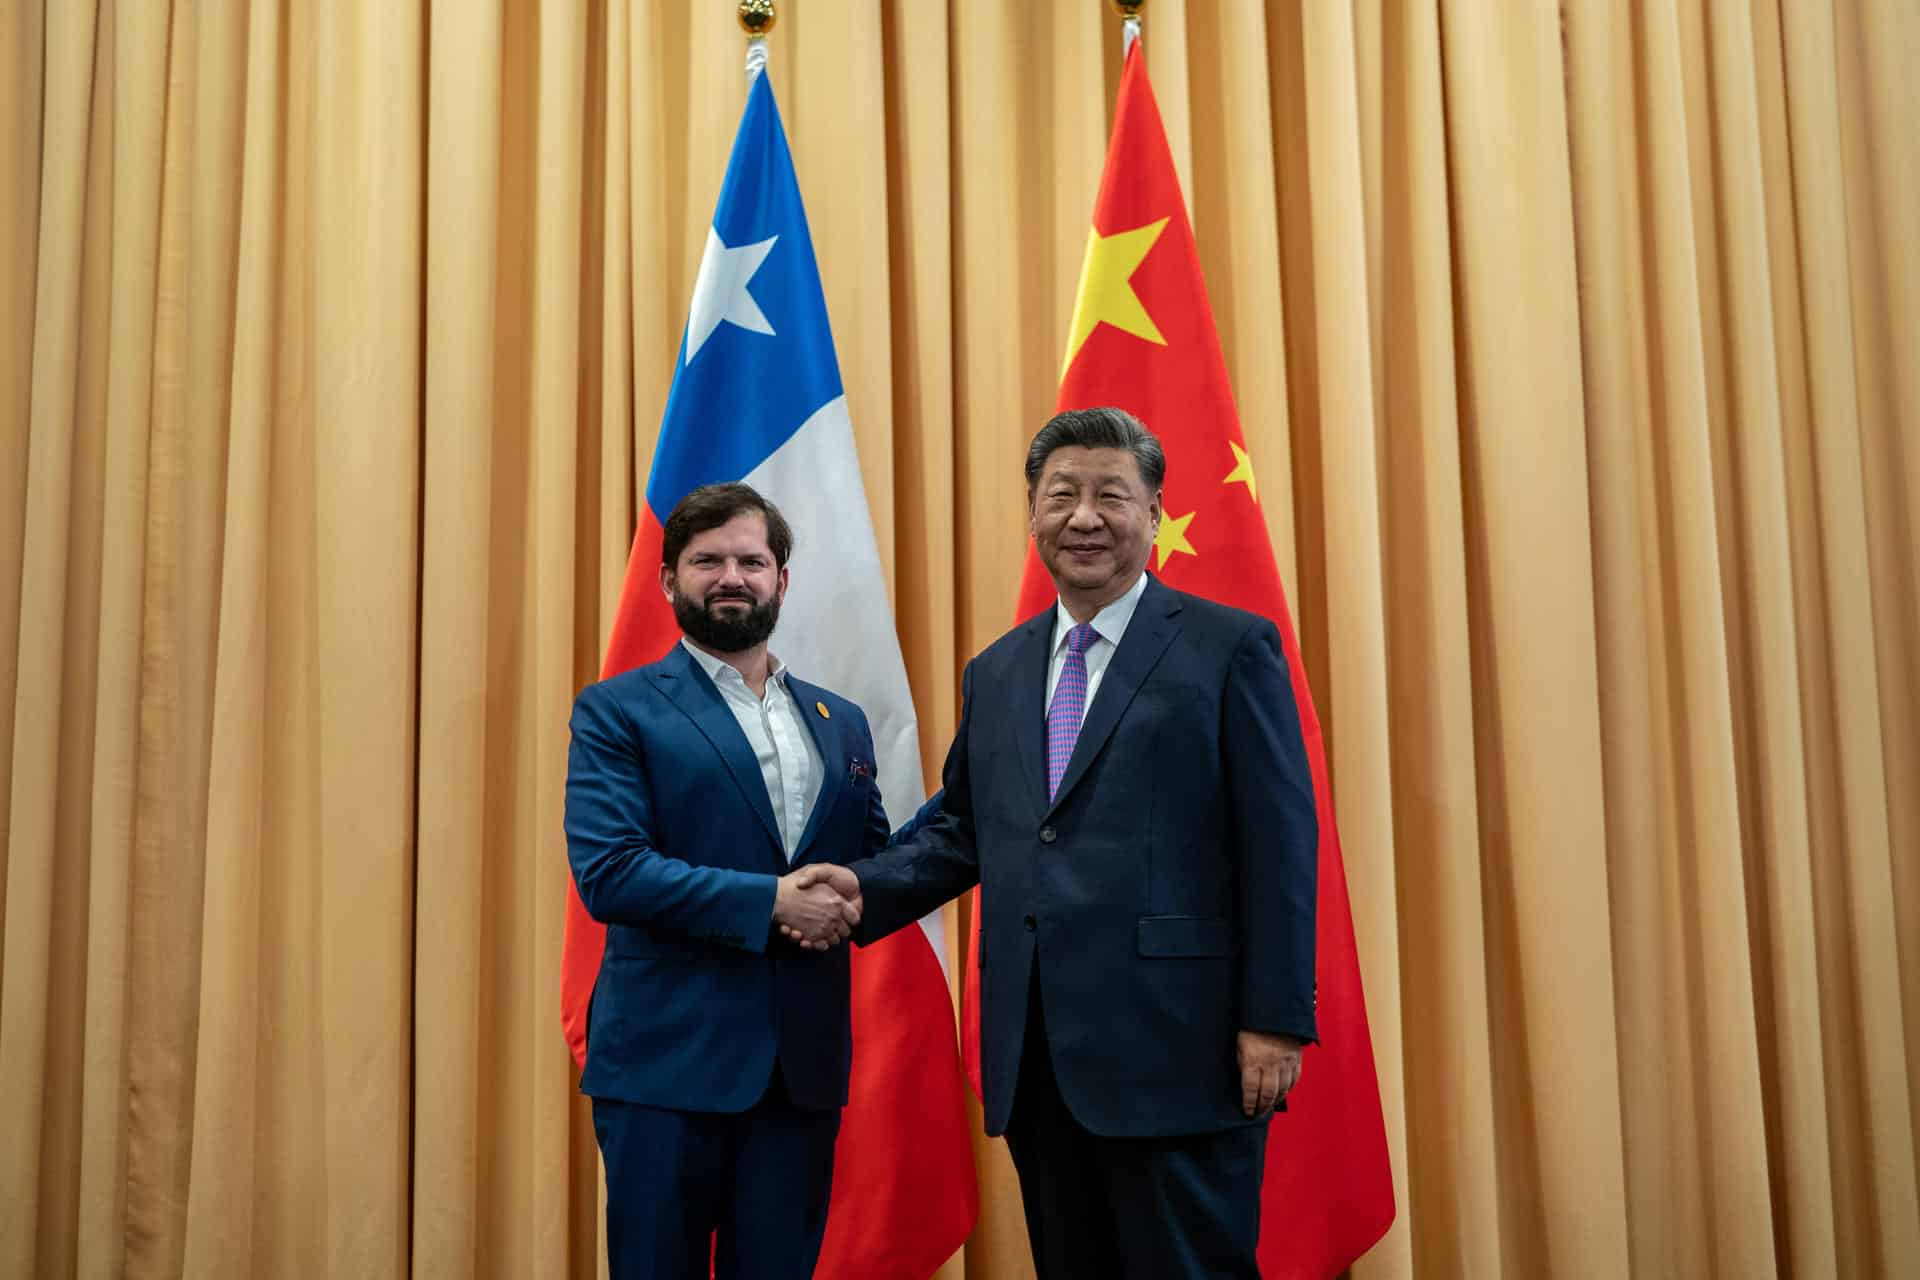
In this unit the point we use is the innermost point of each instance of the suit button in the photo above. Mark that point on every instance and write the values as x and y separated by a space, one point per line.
1031 924
1048 835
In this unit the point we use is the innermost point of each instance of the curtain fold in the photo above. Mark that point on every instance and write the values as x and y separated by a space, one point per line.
1574 345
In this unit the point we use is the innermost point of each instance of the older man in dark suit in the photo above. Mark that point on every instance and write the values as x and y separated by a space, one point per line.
1130 788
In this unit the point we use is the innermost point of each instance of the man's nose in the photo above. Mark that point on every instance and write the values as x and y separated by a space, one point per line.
731 574
1086 515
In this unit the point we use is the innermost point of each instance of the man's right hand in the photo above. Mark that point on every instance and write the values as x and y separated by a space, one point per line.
811 911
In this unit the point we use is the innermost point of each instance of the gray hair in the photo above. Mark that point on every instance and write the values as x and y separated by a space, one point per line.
1104 428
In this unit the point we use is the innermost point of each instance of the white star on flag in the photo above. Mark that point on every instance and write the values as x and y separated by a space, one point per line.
720 291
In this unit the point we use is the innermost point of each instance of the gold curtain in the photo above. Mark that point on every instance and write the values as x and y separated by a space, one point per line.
1578 348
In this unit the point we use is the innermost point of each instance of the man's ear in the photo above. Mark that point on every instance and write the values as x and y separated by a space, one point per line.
666 581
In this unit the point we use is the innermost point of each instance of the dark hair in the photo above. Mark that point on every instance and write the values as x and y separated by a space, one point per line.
712 505
1105 428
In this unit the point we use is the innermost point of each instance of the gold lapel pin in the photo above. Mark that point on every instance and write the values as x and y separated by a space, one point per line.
821 707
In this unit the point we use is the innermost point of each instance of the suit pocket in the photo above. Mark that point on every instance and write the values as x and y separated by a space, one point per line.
1174 936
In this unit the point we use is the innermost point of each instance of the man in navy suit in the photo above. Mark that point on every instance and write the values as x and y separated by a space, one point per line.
697 789
1129 787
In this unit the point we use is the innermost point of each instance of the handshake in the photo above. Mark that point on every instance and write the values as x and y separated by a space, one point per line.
817 906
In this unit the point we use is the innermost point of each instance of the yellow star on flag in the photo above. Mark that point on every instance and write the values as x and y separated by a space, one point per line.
1171 538
1106 289
1242 471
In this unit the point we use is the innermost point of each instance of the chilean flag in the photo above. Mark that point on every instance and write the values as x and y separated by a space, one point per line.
757 397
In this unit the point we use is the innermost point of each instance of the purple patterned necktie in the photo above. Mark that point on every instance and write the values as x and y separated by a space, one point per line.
1069 701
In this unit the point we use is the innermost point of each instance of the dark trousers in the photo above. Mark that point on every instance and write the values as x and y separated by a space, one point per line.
748 1191
1140 1208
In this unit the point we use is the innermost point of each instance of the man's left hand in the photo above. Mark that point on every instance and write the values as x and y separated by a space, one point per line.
1269 1068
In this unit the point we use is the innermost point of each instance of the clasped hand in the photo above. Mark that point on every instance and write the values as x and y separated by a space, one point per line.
817 906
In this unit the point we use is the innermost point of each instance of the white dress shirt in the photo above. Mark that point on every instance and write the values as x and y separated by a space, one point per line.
1108 625
790 763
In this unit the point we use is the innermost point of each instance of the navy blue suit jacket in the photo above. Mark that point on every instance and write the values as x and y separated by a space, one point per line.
674 848
1167 890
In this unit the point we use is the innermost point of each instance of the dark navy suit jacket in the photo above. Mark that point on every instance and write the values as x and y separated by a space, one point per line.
674 848
1168 889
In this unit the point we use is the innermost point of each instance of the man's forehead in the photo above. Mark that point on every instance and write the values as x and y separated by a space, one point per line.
1092 464
749 527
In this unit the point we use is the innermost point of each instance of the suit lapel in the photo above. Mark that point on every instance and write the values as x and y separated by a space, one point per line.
807 701
682 680
1028 689
1148 634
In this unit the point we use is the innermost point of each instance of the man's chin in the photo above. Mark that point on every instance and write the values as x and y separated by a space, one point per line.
714 627
1083 577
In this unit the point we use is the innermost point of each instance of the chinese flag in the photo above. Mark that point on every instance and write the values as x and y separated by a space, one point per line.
1143 340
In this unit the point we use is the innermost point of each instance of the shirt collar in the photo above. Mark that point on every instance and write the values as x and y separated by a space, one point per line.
718 669
1109 624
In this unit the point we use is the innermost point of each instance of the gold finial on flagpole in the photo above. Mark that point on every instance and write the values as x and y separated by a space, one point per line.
1129 12
757 16
756 19
1128 8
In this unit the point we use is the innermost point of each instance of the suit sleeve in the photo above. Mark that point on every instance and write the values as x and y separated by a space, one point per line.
874 834
926 814
932 859
1276 837
622 878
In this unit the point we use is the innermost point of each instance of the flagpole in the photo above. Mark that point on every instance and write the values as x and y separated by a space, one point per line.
1129 11
756 19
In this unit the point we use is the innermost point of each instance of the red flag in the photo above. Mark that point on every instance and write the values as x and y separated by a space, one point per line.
1142 339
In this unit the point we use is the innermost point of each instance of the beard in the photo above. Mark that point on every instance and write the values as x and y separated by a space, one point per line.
732 632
